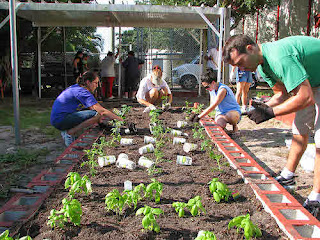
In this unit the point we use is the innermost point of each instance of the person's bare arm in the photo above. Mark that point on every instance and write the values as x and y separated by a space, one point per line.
144 102
221 95
280 95
75 63
302 98
104 112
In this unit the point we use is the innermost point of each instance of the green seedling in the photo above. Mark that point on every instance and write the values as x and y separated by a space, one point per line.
5 236
77 184
187 109
154 170
149 220
195 206
92 163
154 190
125 109
179 207
206 235
116 201
219 190
71 210
250 230
198 109
217 157
205 145
135 195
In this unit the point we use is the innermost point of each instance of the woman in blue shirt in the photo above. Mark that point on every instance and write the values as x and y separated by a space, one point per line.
222 100
76 108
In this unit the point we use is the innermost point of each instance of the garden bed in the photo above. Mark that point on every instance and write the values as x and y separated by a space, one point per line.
180 183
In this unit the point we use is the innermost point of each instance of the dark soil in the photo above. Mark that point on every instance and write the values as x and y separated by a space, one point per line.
180 183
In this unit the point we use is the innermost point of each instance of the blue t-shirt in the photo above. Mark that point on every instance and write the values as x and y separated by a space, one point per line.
72 99
229 103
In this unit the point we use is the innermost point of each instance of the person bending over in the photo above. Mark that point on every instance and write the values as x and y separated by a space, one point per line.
153 89
76 108
291 68
222 100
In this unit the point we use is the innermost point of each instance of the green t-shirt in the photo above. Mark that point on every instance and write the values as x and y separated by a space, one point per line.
291 61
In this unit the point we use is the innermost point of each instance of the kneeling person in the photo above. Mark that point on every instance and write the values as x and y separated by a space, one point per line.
76 108
152 89
222 100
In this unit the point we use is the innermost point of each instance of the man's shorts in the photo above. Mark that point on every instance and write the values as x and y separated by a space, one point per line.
244 76
307 119
74 119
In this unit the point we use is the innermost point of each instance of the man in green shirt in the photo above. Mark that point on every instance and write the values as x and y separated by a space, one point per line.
291 67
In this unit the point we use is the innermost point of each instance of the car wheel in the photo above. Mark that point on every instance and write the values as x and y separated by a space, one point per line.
188 82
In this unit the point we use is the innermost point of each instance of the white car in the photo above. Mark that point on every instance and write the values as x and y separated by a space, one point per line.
187 75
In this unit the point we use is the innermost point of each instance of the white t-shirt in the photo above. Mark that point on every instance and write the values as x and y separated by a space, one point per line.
214 54
146 85
107 67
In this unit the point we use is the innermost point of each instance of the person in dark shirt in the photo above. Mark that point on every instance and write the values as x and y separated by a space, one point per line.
77 66
132 75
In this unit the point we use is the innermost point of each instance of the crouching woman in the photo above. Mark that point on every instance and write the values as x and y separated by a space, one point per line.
222 100
76 108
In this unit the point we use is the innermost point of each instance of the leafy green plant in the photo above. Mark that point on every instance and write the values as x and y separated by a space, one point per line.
154 190
92 163
125 109
187 109
250 230
71 210
149 220
116 201
154 170
198 109
205 235
77 184
219 190
195 206
179 208
217 157
5 236
205 145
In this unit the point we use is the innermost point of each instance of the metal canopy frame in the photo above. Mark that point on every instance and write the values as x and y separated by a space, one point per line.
106 15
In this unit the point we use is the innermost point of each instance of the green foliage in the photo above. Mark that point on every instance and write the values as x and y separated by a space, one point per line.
116 201
263 93
70 211
243 222
198 109
195 206
22 159
5 236
205 145
206 235
154 170
217 157
135 195
149 220
198 132
92 163
179 207
125 109
154 190
219 190
77 184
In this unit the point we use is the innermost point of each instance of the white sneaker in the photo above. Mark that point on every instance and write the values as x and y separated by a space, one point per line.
243 109
68 139
112 97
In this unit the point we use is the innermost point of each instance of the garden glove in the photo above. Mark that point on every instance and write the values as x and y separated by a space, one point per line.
194 118
132 127
261 112
149 108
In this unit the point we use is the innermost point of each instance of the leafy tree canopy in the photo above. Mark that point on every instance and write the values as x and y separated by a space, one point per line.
239 8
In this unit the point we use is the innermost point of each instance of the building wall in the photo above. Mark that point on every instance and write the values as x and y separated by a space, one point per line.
293 21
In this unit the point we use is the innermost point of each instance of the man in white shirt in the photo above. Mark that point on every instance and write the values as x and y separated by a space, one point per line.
152 89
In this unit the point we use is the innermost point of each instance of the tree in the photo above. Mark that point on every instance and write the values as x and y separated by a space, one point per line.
239 8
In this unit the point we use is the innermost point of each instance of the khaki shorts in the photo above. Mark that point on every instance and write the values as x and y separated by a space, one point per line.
307 119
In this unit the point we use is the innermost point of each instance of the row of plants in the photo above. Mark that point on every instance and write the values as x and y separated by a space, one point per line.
117 202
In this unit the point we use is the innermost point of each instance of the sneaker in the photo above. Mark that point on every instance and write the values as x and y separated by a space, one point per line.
112 97
68 139
313 207
289 184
